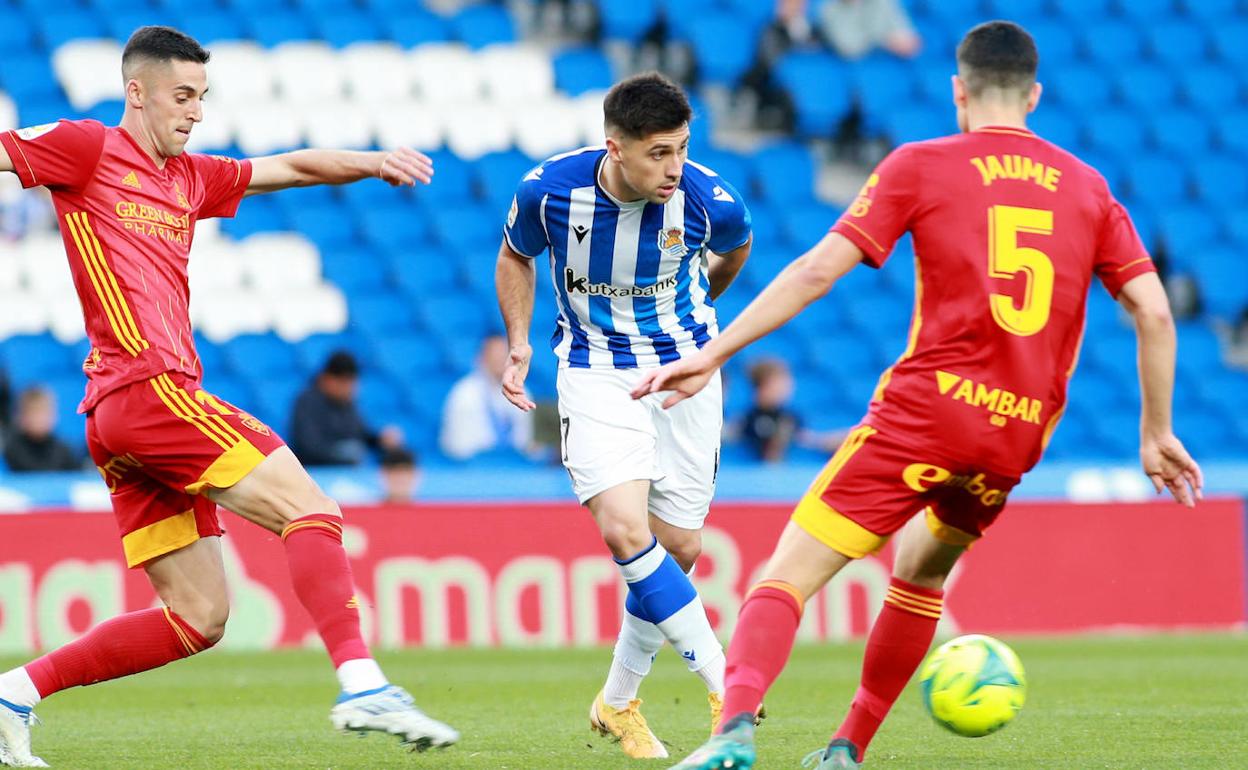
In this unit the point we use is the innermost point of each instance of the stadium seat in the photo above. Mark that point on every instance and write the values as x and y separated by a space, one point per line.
414 27
498 175
514 75
312 353
336 123
467 228
406 124
579 70
454 177
627 20
1147 87
314 309
1115 132
1156 180
362 62
224 314
1232 132
354 270
307 72
87 71
453 319
880 84
482 25
1177 43
545 127
1182 133
1221 180
57 27
1209 12
275 27
1053 39
917 123
1081 88
1210 88
1230 42
14 32
805 224
1236 223
27 78
268 130
210 25
343 27
1083 10
816 82
428 272
394 226
445 73
259 357
383 313
1054 124
33 358
1188 231
409 357
1223 290
723 46
783 173
1108 42
241 73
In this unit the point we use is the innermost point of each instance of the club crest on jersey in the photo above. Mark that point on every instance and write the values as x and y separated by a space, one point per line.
672 242
254 424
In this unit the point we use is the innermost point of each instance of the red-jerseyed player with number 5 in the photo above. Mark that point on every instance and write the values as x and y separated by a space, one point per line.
1009 231
127 199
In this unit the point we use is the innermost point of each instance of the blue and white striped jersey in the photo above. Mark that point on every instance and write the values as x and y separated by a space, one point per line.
630 278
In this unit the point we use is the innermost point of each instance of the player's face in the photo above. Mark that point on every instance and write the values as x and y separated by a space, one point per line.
171 96
652 166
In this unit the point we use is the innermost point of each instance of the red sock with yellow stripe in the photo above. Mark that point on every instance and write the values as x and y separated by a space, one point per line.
760 645
321 577
898 643
124 645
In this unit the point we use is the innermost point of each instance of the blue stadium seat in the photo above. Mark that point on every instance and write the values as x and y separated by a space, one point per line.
1230 42
784 173
1115 132
231 389
783 344
468 227
258 5
411 27
498 175
1103 313
1182 133
1232 132
108 112
730 166
1080 87
754 13
1236 223
627 20
1147 87
382 313
880 84
1156 180
274 400
1054 124
817 84
274 27
354 270
329 225
1111 42
1112 352
27 78
341 28
1147 11
1081 11
209 25
1053 39
1108 167
453 319
1188 231
427 272
805 224
1177 43
1210 12
261 214
55 28
121 24
380 397
211 360
1199 350
481 25
1204 434
408 357
1223 389
454 183
318 7
917 123
1221 180
723 46
1022 11
1209 87
765 220
957 13
259 356
33 358
1223 290
932 81
14 33
578 70
312 352
394 227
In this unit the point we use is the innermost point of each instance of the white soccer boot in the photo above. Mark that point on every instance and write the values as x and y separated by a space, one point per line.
390 709
15 722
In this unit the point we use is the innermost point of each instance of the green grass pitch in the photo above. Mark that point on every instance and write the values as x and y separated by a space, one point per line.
1103 702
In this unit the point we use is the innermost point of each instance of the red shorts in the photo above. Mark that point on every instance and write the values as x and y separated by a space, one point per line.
875 483
158 444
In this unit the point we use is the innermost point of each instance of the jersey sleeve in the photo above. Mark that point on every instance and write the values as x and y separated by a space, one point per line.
524 231
730 218
883 210
1120 255
224 181
61 155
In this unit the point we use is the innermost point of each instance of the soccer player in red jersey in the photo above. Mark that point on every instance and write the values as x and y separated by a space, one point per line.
1009 231
127 199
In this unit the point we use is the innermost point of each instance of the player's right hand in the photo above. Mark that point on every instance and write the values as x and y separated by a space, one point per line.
684 378
513 377
1169 466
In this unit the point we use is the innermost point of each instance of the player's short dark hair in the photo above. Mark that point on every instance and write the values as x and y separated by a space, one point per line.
645 104
998 55
161 44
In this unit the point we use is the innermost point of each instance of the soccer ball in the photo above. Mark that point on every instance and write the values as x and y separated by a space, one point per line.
973 685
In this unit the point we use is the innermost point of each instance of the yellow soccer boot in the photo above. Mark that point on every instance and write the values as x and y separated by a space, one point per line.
627 726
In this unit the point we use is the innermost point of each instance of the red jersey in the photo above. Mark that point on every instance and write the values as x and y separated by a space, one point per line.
1008 231
127 227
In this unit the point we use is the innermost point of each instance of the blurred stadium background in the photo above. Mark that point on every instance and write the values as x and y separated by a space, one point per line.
1153 93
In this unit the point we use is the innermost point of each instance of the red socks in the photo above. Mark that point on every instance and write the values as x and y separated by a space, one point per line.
124 645
761 644
321 577
898 643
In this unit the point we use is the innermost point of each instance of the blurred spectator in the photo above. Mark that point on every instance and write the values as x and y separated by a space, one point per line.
1237 354
477 417
1181 288
854 28
326 427
24 211
771 426
32 446
400 476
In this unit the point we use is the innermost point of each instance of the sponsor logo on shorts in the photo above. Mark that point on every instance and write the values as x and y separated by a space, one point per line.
254 424
579 284
1003 405
116 468
922 477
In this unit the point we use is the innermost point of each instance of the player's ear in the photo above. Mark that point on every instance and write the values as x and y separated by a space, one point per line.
959 91
134 93
613 149
1033 98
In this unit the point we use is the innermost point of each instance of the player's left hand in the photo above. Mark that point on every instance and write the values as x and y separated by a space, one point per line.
684 378
406 166
1169 466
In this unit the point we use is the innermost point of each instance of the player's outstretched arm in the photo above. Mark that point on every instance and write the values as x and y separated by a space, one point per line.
725 267
803 281
303 168
515 281
1163 456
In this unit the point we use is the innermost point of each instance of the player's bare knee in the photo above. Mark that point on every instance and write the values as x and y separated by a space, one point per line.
685 550
206 616
623 536
920 573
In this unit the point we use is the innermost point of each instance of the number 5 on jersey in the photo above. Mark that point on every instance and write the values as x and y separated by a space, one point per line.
1006 259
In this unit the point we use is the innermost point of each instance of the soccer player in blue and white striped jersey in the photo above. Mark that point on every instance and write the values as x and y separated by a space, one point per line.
640 241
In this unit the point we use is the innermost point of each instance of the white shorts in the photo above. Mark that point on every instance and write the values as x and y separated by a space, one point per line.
608 439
